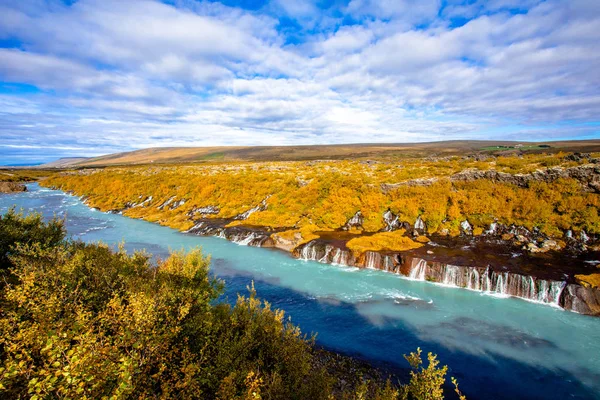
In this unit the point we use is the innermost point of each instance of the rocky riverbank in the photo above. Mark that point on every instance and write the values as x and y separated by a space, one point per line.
12 187
534 234
481 264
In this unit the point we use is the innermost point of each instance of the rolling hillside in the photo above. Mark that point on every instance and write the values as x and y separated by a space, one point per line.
168 155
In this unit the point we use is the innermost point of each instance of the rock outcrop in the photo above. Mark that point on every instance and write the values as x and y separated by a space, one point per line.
238 234
11 187
356 222
206 210
261 207
581 299
570 296
391 220
166 203
587 175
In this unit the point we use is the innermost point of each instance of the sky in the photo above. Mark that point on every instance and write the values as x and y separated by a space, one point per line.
91 77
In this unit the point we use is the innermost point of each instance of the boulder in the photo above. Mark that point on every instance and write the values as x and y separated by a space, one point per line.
466 227
11 187
391 221
584 300
420 225
355 222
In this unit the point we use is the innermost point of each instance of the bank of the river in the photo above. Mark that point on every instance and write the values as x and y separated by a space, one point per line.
497 348
499 261
11 187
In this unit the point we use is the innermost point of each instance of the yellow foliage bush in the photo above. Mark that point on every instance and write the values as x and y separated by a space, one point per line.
325 195
385 241
591 280
422 239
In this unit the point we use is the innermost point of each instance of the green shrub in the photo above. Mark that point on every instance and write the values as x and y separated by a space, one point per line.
83 321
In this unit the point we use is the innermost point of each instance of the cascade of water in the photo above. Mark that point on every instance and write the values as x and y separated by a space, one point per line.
473 279
388 263
451 275
340 257
372 260
418 271
245 241
488 281
325 257
498 288
309 252
533 292
556 289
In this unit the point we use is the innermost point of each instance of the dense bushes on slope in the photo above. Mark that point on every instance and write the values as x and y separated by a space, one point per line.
325 195
82 321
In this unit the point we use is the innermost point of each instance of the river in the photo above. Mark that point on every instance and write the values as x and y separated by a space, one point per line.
498 348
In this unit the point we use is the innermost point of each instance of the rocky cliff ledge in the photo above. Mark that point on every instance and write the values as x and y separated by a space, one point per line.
553 288
587 175
11 187
479 266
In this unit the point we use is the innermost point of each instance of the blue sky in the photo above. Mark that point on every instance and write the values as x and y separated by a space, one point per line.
90 77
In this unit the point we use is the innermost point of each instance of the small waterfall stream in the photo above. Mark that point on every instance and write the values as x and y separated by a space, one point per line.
486 280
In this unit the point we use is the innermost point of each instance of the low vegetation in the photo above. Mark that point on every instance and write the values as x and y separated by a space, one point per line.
321 196
385 241
83 321
23 175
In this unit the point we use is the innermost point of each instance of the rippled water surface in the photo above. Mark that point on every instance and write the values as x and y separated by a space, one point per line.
501 348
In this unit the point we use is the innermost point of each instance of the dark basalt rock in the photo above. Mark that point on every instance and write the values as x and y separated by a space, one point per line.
245 235
206 210
355 222
553 291
261 207
393 223
581 299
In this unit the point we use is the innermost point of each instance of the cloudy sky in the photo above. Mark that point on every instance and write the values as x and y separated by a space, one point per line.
91 77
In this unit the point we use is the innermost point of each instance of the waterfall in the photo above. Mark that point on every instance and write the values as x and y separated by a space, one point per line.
309 252
325 253
417 272
340 257
451 276
474 279
325 257
500 285
388 264
488 281
485 280
244 240
372 260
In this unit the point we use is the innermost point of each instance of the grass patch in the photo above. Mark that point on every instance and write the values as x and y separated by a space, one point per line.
385 241
592 280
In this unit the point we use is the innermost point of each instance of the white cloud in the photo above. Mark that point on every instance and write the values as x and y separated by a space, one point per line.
204 73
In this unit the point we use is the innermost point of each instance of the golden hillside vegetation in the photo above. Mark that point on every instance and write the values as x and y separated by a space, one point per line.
317 196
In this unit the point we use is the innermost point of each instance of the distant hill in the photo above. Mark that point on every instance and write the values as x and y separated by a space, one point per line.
173 155
64 162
